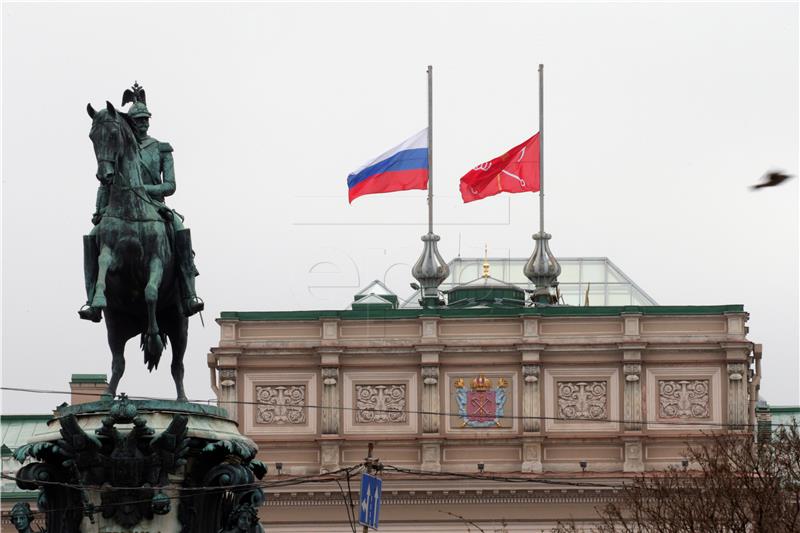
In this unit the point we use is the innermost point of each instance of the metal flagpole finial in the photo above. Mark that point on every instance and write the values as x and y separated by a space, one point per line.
430 269
542 268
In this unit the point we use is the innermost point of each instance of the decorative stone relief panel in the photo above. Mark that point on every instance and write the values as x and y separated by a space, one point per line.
381 404
583 400
276 403
683 398
676 394
280 404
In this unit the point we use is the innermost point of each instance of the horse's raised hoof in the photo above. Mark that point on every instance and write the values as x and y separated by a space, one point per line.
90 313
194 305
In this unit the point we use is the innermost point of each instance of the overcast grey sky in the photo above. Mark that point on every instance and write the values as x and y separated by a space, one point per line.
658 118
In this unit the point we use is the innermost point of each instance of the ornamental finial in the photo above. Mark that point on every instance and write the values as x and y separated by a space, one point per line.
543 270
134 94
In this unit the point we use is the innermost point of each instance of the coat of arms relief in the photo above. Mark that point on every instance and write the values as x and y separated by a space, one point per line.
482 406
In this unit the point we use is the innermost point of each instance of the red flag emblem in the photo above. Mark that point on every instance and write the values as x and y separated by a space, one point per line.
515 171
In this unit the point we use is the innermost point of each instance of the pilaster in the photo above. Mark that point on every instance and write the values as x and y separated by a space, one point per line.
531 408
330 400
228 392
632 396
737 394
430 399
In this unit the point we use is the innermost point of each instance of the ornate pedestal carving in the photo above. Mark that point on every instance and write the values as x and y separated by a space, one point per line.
531 455
146 456
633 456
431 456
330 401
329 455
530 400
430 399
633 396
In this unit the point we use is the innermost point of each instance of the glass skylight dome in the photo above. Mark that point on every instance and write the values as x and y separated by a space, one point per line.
607 284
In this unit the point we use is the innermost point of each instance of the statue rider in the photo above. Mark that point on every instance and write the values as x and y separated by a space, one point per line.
158 176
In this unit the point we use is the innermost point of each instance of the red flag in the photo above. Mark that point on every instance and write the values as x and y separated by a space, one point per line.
515 171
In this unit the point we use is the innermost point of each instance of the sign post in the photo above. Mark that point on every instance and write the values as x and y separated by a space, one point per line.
370 501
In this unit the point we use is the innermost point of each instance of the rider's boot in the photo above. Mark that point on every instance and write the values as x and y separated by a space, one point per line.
183 245
90 253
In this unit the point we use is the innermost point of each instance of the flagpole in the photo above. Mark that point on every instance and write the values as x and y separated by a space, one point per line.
430 269
541 148
430 148
542 268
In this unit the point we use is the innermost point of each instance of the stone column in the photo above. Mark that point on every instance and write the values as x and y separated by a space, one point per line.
737 394
330 400
633 396
228 392
531 455
531 408
430 399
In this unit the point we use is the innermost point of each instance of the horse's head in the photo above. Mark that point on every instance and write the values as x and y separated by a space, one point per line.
111 135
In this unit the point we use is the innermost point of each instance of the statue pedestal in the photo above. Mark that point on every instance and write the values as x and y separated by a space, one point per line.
144 466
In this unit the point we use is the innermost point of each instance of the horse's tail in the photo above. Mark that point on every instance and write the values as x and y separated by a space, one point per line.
152 354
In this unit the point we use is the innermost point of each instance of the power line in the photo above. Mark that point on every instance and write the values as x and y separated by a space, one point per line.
419 412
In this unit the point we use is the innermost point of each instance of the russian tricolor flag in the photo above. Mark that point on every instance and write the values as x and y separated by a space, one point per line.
402 168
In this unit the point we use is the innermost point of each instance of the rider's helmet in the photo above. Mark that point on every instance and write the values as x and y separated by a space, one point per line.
139 109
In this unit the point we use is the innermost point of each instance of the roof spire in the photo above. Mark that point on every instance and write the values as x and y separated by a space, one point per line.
485 260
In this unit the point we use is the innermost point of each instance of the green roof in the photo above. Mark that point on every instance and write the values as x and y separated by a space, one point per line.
18 429
791 409
555 311
89 378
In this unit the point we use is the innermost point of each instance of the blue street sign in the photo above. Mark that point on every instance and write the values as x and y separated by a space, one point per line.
370 498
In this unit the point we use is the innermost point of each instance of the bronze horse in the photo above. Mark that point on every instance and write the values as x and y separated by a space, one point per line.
137 285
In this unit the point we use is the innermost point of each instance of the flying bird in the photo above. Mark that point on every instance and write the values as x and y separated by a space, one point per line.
772 179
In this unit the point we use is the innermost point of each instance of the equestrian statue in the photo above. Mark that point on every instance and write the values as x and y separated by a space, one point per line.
138 259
